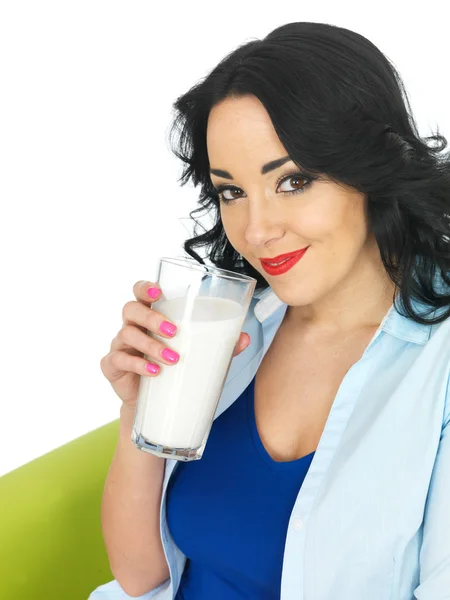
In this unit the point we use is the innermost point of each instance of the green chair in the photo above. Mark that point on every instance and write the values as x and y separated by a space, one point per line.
51 543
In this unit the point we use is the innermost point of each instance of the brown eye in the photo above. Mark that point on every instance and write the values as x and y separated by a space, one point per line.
233 192
295 181
221 190
298 182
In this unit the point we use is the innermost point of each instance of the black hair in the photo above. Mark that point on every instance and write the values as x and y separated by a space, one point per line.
350 107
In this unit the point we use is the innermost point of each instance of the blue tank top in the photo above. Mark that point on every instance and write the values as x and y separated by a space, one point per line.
229 512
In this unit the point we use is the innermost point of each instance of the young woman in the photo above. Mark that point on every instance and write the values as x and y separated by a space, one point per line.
326 475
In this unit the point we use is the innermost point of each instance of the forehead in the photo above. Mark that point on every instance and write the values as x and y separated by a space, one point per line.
241 126
238 113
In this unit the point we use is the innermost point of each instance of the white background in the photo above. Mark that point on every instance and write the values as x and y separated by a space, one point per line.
88 185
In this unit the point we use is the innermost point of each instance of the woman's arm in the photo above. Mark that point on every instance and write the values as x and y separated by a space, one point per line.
130 515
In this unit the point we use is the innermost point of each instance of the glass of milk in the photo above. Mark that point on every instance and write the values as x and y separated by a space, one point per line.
175 409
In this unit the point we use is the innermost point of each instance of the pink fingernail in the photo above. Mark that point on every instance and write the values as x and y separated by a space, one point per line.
167 328
153 292
170 355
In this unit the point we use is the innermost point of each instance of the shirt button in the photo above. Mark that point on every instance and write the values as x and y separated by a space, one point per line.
298 524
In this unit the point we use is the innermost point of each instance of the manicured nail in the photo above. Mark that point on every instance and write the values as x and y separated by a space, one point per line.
167 328
153 292
170 355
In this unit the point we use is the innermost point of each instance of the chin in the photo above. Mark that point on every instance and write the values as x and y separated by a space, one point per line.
295 297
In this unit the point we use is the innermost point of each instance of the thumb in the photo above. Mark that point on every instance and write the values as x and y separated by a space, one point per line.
243 343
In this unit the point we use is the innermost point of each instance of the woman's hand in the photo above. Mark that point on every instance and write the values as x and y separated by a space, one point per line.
125 362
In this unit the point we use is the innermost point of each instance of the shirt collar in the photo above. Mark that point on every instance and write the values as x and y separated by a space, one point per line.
393 323
268 303
405 328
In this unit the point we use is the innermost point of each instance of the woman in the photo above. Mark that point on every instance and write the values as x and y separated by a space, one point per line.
326 475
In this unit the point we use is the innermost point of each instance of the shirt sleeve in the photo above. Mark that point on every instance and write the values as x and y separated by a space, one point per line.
435 551
113 591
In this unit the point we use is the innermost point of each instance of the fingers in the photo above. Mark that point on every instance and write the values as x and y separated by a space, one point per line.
117 364
138 316
141 291
243 343
137 313
132 337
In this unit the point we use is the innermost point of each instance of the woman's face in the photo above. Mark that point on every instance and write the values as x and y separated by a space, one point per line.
263 220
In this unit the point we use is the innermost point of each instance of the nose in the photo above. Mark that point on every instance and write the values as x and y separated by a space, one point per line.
262 231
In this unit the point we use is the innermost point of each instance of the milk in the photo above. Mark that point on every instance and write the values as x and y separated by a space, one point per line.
176 408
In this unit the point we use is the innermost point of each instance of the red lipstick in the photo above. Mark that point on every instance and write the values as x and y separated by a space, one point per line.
290 259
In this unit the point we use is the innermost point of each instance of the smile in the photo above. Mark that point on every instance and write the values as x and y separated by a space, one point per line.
283 265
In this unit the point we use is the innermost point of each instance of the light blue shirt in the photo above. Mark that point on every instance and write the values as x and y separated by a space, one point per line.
372 518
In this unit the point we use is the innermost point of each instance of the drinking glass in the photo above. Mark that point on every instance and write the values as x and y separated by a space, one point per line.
175 409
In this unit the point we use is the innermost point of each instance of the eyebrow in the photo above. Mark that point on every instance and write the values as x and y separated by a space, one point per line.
270 166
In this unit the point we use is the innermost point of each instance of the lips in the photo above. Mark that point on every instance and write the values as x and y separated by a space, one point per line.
280 257
290 261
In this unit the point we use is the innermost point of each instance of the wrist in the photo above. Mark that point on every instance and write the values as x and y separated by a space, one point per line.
127 415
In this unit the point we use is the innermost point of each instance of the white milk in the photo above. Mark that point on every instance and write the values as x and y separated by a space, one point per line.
177 406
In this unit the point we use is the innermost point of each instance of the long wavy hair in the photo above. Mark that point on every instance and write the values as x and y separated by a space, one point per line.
340 108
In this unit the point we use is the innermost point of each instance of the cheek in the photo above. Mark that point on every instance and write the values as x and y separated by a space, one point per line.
233 228
334 223
319 226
